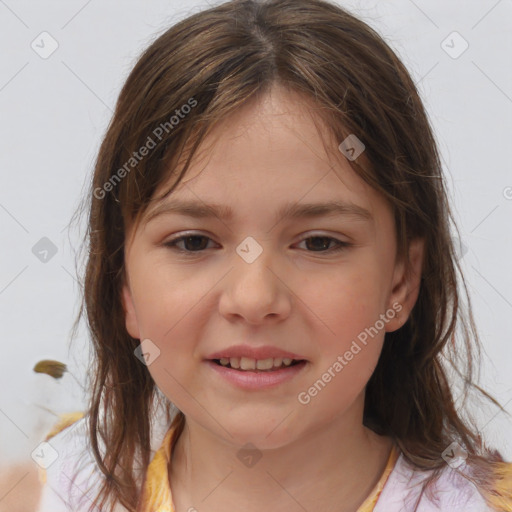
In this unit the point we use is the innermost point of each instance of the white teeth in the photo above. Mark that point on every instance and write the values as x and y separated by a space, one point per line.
264 364
247 363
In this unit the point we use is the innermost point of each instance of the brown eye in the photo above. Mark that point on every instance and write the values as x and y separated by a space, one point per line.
322 244
191 243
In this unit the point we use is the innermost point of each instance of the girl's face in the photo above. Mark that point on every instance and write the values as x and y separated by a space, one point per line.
323 288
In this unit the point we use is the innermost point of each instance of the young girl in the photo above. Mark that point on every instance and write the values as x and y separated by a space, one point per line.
271 284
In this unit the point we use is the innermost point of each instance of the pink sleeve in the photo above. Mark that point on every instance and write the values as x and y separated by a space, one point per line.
452 492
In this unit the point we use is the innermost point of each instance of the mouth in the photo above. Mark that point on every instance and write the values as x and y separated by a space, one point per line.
247 364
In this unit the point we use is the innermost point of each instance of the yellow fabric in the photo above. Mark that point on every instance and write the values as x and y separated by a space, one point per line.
65 420
502 499
157 496
370 502
156 493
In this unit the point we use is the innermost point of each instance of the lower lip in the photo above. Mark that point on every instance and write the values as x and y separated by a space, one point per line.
257 380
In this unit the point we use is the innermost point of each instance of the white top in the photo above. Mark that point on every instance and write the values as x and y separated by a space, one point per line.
60 494
454 492
74 452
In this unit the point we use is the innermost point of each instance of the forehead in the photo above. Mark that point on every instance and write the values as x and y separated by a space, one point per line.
273 153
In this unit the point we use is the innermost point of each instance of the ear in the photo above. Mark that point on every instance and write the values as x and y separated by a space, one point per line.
132 326
406 285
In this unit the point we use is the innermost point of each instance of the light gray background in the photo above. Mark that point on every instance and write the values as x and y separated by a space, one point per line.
54 111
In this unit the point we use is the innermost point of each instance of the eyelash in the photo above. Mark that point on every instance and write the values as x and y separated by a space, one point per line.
172 244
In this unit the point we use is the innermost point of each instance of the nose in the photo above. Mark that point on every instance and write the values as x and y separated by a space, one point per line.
257 291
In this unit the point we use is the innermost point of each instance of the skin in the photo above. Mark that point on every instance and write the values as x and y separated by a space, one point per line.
310 301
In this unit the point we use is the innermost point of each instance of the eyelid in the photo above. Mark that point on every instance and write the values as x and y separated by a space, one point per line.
320 234
185 234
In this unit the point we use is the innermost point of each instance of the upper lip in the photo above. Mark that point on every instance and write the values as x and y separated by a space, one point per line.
264 352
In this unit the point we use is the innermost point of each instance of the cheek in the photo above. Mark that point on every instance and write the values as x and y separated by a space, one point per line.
165 299
347 301
342 376
174 380
167 309
349 339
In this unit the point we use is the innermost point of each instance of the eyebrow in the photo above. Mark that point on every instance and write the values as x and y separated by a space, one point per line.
200 210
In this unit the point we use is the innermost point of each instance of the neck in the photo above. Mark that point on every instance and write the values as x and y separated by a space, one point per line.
332 469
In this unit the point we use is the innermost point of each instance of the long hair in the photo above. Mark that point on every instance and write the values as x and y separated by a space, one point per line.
197 73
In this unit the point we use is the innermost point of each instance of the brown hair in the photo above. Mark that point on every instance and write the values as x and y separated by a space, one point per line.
215 61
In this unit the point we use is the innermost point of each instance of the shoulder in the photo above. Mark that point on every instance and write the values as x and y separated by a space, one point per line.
68 469
451 492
